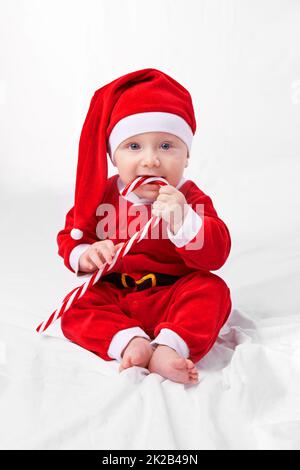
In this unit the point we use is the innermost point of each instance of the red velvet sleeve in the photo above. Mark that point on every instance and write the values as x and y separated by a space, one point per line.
66 243
210 248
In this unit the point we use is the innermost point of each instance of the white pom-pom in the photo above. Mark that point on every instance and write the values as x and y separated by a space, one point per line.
76 234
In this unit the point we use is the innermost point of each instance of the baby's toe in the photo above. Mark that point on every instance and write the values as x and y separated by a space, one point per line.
190 364
194 381
193 373
125 363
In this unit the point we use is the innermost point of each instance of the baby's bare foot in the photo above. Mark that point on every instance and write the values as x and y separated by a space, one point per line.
166 362
137 353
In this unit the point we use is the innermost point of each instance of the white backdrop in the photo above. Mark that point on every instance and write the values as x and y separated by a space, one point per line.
240 61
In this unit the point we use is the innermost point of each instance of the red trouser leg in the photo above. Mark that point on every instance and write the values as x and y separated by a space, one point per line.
95 318
198 306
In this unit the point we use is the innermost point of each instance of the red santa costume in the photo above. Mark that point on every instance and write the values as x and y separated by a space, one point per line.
162 289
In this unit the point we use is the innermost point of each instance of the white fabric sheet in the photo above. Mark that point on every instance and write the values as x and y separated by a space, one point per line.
56 395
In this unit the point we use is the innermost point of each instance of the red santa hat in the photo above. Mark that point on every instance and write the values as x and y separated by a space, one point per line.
142 101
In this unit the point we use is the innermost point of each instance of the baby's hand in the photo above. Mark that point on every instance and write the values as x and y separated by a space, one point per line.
96 255
172 206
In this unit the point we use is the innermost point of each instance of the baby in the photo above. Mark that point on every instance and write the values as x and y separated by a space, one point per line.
169 325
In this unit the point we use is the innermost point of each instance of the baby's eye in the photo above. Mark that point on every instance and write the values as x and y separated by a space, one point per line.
131 145
166 148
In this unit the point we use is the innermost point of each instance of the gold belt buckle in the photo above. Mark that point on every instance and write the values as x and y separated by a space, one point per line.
139 281
147 276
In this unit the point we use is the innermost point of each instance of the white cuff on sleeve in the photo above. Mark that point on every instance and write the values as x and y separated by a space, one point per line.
121 339
189 229
173 340
75 255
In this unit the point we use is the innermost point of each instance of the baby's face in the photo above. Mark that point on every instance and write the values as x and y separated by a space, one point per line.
153 154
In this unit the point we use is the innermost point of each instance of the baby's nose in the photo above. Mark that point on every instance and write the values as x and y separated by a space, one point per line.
151 160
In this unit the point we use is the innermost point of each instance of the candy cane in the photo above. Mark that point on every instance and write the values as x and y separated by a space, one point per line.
79 291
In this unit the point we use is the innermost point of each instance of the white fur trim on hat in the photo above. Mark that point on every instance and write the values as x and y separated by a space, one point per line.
149 122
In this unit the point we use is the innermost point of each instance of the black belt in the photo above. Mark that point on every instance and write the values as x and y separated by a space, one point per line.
124 280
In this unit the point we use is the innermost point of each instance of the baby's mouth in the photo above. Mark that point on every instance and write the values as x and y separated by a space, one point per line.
152 184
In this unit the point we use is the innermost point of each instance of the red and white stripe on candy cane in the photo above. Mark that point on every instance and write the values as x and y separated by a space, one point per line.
79 291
